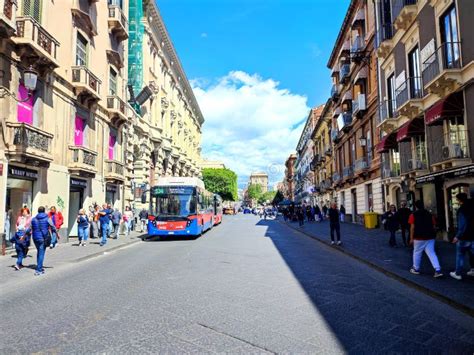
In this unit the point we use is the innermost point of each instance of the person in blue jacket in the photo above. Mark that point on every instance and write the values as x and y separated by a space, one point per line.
41 226
22 240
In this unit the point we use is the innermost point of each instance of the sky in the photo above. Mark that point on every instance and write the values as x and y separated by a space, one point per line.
256 67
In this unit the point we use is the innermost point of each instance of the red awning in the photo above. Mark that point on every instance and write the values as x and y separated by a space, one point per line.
415 127
452 106
388 142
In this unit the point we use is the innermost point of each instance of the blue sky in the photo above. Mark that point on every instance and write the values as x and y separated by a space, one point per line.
266 60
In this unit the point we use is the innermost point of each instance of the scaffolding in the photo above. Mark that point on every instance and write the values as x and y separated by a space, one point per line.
135 49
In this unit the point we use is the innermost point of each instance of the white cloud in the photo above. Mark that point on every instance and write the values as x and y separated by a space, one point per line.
251 123
204 35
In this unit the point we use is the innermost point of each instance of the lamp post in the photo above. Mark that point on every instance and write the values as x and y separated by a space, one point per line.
30 78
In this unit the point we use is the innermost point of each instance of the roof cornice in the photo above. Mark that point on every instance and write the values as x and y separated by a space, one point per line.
341 34
158 28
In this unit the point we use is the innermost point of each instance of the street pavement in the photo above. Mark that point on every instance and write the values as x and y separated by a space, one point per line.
247 286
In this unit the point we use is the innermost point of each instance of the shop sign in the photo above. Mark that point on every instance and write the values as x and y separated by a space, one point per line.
78 183
449 174
22 173
111 188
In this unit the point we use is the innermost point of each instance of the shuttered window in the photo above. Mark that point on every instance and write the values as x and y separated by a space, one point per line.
32 8
81 50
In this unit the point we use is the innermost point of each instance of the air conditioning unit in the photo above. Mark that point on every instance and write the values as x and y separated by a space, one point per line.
362 102
452 151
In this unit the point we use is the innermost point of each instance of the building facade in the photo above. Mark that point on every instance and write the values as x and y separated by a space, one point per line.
289 178
354 133
425 51
259 178
73 139
212 164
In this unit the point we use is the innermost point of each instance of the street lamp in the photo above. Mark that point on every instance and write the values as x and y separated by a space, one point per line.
362 140
30 78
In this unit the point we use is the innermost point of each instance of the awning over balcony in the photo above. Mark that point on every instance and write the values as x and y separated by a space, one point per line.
347 96
359 17
452 106
415 127
388 142
335 69
361 74
336 112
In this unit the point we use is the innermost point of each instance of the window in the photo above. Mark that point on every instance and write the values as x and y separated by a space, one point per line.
112 142
370 198
79 127
450 39
112 82
32 8
414 72
392 105
369 148
420 148
115 3
395 162
81 50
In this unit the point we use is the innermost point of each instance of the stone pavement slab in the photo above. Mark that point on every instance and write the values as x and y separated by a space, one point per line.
371 246
63 253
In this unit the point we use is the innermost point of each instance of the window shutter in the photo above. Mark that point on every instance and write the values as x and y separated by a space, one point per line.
32 8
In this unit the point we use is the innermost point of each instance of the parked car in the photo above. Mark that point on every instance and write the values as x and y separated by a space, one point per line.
247 210
229 210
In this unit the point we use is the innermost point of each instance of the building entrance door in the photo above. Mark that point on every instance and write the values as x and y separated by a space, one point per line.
453 205
354 205
76 201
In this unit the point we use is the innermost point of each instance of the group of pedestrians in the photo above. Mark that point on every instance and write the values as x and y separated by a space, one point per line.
98 221
310 213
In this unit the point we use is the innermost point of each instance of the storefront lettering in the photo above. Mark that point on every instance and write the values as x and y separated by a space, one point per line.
23 173
78 183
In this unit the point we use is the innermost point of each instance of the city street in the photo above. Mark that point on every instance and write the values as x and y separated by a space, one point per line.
247 286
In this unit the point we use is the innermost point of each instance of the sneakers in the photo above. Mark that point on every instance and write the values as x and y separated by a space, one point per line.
39 273
414 271
438 274
17 267
332 243
470 272
455 276
83 244
339 243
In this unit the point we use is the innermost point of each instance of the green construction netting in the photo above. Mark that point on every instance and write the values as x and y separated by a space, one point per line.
135 47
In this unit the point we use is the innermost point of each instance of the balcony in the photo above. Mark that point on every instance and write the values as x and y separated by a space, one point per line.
82 161
347 172
335 136
325 185
454 150
35 42
443 72
409 98
344 73
29 145
83 18
114 171
7 18
328 151
344 121
415 165
383 40
116 56
117 110
387 120
336 178
392 173
358 49
118 24
361 165
404 12
359 106
335 92
85 83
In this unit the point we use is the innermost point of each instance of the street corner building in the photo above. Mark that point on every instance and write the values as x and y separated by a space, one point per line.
94 106
425 52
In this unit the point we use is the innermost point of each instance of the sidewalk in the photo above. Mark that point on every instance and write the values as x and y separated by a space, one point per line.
63 254
371 246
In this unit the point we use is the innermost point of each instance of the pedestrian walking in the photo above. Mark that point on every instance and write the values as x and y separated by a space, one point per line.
143 215
22 241
317 211
94 218
422 236
300 216
58 220
110 226
342 213
325 211
8 221
334 224
464 238
82 227
308 213
41 228
116 219
390 222
403 214
104 221
127 220
24 222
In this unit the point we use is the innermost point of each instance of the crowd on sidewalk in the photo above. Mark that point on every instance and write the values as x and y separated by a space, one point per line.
96 222
417 229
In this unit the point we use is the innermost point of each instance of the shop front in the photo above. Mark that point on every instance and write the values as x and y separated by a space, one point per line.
111 193
76 202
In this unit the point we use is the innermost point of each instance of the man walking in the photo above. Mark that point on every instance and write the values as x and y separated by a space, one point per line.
334 224
104 221
143 215
40 227
403 214
464 238
58 220
116 219
422 236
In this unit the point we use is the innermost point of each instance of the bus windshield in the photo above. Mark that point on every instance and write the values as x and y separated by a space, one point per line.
173 202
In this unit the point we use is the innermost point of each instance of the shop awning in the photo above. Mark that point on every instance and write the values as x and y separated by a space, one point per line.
337 111
361 74
415 127
388 142
360 16
452 106
347 96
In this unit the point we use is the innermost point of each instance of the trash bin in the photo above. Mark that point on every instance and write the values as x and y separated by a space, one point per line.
370 220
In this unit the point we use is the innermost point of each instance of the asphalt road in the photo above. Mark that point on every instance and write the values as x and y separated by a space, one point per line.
247 286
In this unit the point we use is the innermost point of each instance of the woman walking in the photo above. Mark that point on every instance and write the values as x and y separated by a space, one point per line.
390 220
127 220
342 213
23 222
82 227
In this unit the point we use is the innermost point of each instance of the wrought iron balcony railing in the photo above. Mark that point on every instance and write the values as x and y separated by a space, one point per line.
445 57
411 88
30 29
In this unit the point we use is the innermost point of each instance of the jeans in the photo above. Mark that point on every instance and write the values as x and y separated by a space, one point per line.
405 233
20 253
337 228
127 227
110 228
342 217
40 256
392 241
116 230
95 229
428 246
104 229
54 239
83 233
462 247
143 225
